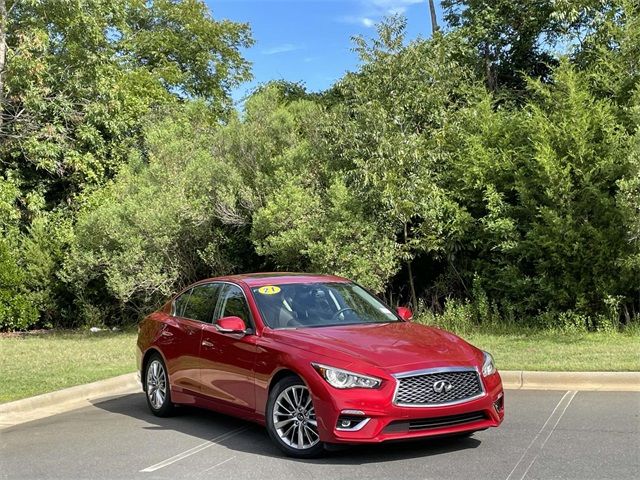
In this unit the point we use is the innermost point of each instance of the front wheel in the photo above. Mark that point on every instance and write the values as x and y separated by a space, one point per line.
157 387
291 419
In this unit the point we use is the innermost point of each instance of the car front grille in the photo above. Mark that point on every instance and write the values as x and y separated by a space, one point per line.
438 388
401 426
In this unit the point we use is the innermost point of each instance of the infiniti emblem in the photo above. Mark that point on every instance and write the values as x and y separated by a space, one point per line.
442 386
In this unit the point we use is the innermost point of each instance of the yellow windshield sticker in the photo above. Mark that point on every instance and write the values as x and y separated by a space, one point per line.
269 289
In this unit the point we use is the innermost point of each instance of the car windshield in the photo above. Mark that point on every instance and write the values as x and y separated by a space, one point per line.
299 305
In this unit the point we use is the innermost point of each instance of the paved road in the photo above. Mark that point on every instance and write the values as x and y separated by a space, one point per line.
552 434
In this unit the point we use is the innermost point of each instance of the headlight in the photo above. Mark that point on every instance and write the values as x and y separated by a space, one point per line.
488 367
344 379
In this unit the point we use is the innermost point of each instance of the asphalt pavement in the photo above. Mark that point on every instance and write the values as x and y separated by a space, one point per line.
546 435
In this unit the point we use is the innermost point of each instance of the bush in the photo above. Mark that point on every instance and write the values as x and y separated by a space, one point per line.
16 309
161 224
44 249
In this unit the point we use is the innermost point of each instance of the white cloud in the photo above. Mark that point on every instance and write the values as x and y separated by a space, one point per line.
367 22
390 6
357 20
285 47
371 11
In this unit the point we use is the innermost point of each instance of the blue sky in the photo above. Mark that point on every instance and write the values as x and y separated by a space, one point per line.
310 40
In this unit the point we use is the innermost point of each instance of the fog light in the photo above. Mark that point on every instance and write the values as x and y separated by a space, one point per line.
351 423
499 403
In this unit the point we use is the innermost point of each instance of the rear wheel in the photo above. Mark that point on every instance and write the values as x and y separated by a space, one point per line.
157 387
291 419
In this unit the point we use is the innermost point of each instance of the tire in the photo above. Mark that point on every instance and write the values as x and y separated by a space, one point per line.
156 387
291 420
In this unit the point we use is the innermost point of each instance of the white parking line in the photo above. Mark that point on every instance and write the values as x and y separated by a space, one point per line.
535 453
194 450
218 464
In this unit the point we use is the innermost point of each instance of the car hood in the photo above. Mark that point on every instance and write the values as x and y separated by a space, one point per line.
392 346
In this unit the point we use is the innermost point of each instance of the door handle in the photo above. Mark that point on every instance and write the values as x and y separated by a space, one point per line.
207 344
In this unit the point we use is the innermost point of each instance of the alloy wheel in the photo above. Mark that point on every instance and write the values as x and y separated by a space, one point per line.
294 418
156 384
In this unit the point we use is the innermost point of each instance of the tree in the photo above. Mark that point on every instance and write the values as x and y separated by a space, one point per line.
542 183
384 133
608 50
78 80
168 221
480 165
434 21
511 38
80 75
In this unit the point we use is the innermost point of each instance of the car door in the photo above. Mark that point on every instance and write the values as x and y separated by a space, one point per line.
182 336
228 359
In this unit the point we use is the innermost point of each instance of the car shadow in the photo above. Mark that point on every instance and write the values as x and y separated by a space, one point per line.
253 438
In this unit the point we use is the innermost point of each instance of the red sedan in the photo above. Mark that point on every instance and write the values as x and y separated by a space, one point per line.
315 358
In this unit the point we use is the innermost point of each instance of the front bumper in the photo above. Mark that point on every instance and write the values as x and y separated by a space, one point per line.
386 421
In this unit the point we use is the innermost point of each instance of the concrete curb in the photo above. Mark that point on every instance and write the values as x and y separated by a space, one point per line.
40 406
34 408
587 381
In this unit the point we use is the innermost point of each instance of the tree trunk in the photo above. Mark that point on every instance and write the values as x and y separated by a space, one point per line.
491 81
434 20
414 298
3 54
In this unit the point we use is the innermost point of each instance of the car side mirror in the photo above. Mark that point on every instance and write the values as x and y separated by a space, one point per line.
405 313
231 325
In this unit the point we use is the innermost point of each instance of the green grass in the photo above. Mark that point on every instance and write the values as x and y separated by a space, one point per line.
35 364
571 352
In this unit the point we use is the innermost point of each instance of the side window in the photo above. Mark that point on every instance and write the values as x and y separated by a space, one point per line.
202 302
233 303
180 303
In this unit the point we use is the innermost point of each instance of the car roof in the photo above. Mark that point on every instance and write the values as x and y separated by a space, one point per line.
279 278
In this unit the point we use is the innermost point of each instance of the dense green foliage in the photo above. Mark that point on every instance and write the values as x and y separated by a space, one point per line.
492 171
80 75
16 312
